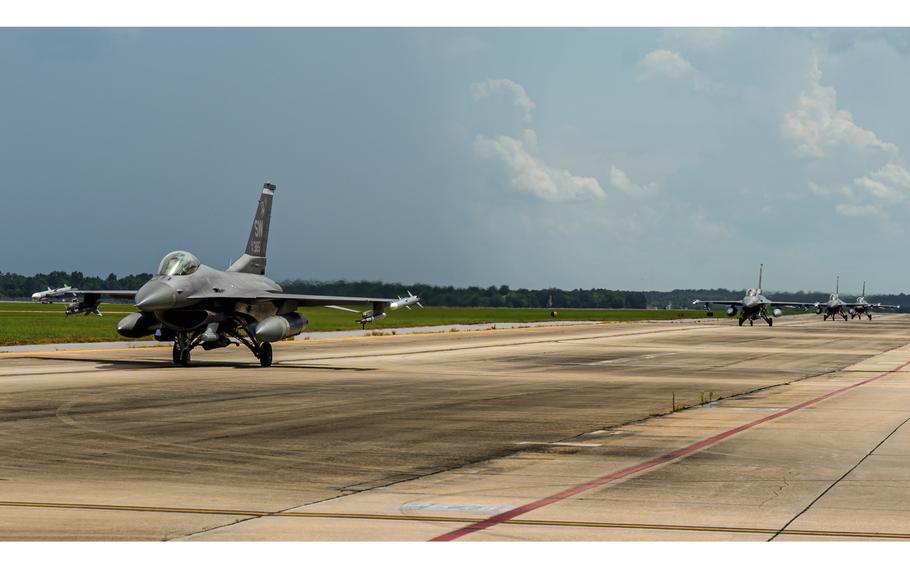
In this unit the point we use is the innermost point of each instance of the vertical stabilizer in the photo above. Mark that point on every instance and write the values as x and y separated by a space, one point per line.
837 286
760 268
864 289
253 259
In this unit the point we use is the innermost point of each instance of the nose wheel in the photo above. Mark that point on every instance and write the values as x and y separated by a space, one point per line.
180 356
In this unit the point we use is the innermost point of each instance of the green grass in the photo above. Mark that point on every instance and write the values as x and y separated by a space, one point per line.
28 323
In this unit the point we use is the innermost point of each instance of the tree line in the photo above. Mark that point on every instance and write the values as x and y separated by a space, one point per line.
17 287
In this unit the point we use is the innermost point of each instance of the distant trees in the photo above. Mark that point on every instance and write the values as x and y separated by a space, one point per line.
15 286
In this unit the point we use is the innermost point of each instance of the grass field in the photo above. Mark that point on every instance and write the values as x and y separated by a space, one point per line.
27 323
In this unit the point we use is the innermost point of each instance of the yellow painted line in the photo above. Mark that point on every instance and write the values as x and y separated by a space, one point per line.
463 520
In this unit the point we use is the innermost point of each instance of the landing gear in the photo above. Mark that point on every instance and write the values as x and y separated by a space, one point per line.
845 317
770 322
870 316
751 322
741 320
265 354
825 317
183 344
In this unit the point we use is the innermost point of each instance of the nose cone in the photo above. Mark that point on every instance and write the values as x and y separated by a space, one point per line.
36 296
156 295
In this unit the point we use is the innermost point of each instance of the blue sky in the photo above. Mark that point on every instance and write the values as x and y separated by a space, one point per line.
618 158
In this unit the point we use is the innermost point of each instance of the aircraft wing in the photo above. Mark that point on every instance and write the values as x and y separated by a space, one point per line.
885 306
719 302
127 294
796 304
311 300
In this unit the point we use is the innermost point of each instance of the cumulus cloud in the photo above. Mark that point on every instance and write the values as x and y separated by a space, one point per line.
817 126
667 64
528 173
504 87
621 181
890 183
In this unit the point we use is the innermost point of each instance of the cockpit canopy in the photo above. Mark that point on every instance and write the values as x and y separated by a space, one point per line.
751 292
832 297
178 263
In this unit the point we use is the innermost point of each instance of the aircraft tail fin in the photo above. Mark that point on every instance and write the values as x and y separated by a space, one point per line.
253 259
760 268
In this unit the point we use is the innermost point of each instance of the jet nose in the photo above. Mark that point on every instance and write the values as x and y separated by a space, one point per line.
155 295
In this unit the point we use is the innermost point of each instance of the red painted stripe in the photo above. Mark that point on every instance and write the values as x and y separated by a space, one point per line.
684 451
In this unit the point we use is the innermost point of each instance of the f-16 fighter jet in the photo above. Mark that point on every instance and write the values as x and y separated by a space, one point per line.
753 305
195 305
861 306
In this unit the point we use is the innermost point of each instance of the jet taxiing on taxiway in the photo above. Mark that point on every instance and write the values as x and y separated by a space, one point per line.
196 305
753 306
835 306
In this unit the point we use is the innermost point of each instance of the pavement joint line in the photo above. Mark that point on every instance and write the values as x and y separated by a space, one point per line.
648 464
423 518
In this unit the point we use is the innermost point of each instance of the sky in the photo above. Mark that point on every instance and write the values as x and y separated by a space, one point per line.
647 159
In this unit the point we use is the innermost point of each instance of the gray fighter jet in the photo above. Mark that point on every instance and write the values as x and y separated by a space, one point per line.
195 305
862 307
753 306
847 310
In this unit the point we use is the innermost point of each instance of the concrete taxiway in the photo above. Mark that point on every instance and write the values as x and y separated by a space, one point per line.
560 433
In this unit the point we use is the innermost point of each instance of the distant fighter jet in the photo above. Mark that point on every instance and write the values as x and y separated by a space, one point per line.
835 306
753 305
861 306
195 305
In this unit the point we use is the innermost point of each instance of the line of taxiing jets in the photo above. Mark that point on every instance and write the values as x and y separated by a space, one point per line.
755 305
195 305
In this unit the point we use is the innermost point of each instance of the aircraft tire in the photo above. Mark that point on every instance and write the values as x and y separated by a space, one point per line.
751 322
185 358
845 317
741 322
265 354
770 322
175 355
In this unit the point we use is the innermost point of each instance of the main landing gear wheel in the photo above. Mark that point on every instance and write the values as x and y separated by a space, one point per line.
845 317
751 322
825 317
265 354
175 355
770 322
741 320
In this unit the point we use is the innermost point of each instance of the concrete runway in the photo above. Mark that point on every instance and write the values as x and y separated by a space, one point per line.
538 434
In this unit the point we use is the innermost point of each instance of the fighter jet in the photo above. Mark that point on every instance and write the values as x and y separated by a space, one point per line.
195 305
753 305
861 306
835 306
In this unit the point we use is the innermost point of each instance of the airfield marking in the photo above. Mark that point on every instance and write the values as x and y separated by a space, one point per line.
646 465
438 519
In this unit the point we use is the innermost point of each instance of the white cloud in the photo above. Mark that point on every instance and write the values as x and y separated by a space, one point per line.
663 63
817 125
530 174
492 87
890 183
621 181
667 64
854 210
